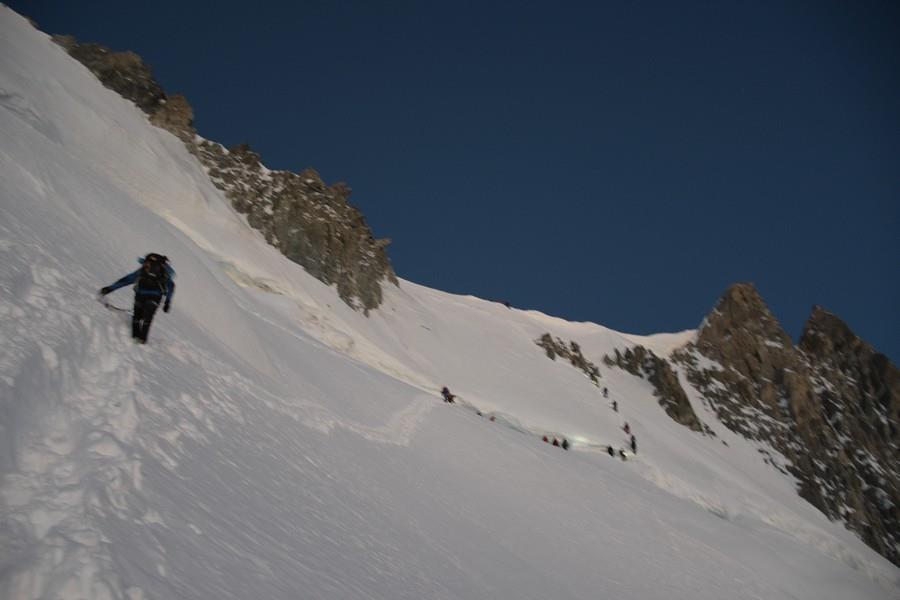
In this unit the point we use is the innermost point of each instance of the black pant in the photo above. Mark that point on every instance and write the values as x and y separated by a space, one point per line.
144 309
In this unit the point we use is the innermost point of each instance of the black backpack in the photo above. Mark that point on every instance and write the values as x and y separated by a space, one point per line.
154 273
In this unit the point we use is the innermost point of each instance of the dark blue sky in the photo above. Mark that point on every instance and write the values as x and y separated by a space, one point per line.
620 163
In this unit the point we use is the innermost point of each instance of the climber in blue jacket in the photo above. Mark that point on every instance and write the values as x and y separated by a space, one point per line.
152 281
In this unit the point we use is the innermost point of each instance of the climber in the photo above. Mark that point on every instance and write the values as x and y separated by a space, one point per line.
448 397
633 445
152 281
626 429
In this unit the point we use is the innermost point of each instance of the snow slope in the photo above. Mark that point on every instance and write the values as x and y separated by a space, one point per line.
271 443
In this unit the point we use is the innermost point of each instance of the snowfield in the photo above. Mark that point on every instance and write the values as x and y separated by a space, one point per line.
271 443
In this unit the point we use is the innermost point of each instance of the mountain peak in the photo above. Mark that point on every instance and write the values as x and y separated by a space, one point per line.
739 321
743 299
825 333
740 288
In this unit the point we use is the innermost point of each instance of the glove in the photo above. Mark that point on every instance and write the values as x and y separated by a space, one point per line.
105 291
167 306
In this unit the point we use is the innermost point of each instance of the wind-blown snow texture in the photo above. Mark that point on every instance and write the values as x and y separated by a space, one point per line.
270 442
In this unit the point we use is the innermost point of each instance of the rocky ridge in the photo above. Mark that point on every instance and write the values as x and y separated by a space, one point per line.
829 407
554 347
642 362
311 223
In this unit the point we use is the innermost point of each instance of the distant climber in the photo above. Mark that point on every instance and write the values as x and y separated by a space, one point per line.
448 397
626 429
153 281
556 442
546 441
622 454
565 444
633 445
610 451
615 406
605 393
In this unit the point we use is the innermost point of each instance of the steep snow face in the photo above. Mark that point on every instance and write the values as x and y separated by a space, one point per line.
271 443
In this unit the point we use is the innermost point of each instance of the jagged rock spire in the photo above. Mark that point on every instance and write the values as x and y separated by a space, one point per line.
854 370
742 332
830 406
825 334
741 309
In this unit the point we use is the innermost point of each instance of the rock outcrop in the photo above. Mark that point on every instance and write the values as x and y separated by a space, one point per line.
857 393
829 408
310 222
175 114
741 333
554 347
642 362
122 72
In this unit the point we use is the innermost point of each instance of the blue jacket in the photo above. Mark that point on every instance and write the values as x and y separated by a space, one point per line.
132 278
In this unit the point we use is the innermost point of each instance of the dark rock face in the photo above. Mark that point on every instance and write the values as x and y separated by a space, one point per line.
829 408
641 362
174 114
571 352
858 393
741 332
122 72
310 222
